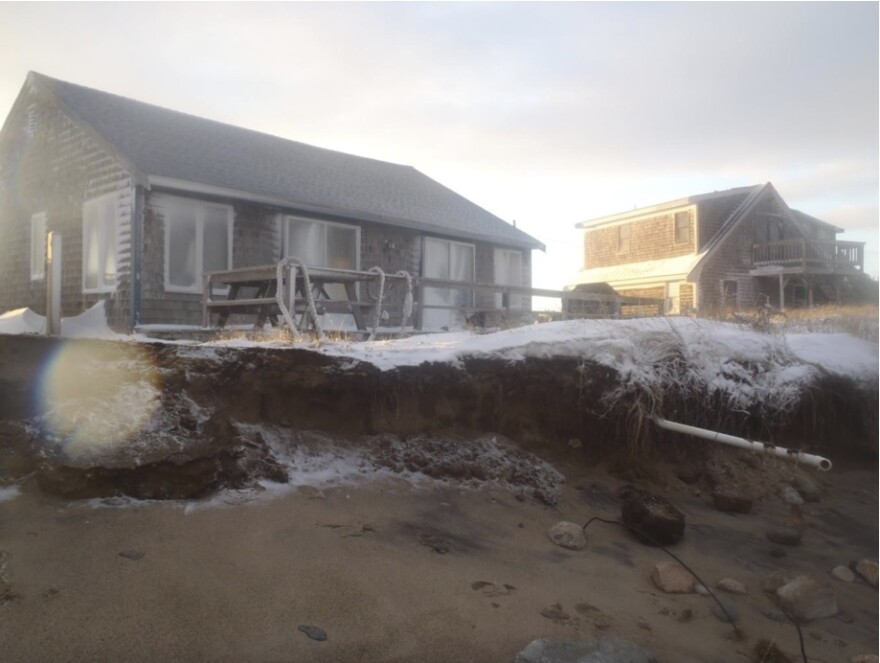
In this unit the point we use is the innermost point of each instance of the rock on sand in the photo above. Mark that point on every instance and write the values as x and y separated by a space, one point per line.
673 578
568 535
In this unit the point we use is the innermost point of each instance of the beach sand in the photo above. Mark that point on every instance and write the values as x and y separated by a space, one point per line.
392 571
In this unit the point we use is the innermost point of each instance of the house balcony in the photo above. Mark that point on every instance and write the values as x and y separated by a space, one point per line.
806 256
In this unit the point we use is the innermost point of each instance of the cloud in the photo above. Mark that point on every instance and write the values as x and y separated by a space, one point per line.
549 113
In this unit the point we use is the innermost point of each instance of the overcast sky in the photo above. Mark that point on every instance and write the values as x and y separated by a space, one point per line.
545 113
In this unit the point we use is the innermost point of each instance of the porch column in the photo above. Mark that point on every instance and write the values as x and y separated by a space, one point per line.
781 292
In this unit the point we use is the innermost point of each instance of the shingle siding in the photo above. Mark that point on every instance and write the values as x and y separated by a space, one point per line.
650 238
732 261
52 166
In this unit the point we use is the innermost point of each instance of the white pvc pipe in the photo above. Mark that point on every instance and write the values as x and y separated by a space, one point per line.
791 454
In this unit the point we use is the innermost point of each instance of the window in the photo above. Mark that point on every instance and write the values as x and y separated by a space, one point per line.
509 271
38 246
450 261
100 250
198 239
768 228
729 294
673 302
623 238
682 227
322 243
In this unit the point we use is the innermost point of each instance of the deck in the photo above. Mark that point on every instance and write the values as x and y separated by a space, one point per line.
803 256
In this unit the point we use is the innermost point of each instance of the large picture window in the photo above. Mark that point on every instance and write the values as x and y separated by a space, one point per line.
100 249
198 239
322 243
450 261
38 246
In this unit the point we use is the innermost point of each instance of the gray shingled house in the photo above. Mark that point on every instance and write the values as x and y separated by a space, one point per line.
724 250
147 199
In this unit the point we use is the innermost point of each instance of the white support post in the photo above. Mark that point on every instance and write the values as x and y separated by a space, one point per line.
53 284
781 292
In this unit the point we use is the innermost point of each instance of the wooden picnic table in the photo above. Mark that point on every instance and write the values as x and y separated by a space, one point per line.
263 280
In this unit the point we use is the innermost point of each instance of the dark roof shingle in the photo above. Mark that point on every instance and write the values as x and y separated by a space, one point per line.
165 143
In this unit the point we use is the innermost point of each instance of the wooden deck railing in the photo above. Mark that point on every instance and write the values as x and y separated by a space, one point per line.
806 253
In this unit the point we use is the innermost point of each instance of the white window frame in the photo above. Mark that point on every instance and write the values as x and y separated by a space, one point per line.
450 243
101 287
38 227
517 302
689 227
448 318
287 218
168 205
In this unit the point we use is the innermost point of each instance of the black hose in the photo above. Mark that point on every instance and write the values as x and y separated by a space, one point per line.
736 630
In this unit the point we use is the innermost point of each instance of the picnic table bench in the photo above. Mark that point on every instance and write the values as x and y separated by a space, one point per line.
255 290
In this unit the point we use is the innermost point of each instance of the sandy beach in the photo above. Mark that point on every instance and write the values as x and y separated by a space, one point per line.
392 571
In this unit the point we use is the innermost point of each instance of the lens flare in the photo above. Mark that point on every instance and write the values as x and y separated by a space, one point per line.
95 396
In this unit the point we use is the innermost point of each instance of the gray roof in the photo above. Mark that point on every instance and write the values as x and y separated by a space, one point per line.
678 202
163 143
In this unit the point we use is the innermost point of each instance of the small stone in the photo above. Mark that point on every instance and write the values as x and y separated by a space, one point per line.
790 496
673 578
807 488
700 589
568 535
732 614
785 536
575 443
774 581
843 573
731 585
867 568
653 519
313 632
865 658
806 599
730 500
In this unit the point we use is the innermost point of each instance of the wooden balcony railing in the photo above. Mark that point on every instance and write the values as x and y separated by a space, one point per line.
804 253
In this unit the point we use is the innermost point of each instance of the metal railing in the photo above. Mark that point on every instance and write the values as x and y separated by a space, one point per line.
482 304
806 253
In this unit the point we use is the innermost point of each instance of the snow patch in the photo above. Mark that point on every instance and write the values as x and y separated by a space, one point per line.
89 324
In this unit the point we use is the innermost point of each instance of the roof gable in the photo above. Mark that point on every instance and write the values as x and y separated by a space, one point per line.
162 143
